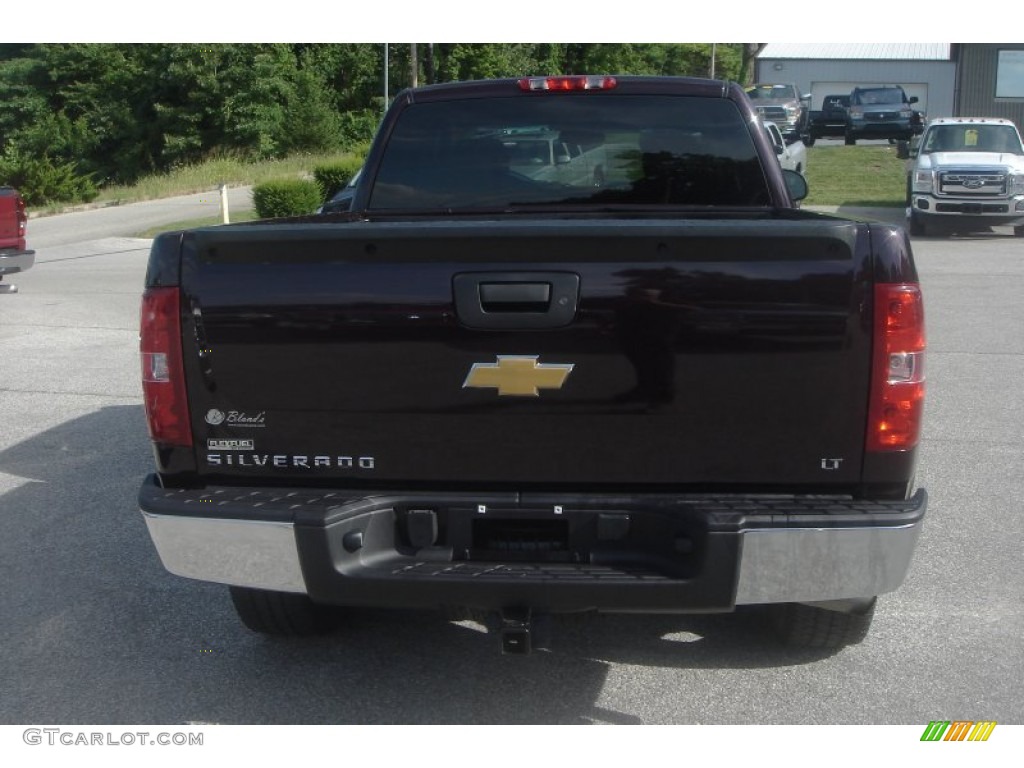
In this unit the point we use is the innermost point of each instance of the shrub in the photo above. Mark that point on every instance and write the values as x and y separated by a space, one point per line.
334 176
286 197
358 127
42 181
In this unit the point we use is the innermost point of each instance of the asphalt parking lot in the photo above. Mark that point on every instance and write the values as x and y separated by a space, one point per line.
96 631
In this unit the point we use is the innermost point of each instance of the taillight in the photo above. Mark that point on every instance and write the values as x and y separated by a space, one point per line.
568 83
21 216
163 375
897 372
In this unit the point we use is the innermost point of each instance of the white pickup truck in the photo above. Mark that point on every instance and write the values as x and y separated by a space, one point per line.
967 173
791 156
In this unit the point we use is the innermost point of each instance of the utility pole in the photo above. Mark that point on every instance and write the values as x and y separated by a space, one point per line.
428 64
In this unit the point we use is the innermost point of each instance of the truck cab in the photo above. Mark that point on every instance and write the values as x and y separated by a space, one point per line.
782 104
880 112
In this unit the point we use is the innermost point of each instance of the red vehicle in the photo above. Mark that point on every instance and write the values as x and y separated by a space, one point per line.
14 257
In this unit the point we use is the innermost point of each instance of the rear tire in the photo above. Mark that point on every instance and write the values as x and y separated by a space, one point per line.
807 626
283 613
850 139
1019 231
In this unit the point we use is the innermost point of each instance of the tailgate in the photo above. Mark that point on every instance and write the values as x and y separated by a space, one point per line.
504 354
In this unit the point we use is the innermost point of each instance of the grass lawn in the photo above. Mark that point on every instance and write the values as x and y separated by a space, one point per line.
869 176
210 175
236 217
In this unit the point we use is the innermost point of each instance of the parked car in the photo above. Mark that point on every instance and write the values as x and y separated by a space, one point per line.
14 256
882 112
830 120
966 172
782 104
791 156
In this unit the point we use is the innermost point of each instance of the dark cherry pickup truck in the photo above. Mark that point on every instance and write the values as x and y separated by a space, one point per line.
14 256
506 394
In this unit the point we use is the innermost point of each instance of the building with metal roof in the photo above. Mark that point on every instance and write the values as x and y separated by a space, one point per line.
925 70
859 51
949 79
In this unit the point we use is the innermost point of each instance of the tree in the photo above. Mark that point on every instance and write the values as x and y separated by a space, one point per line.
750 51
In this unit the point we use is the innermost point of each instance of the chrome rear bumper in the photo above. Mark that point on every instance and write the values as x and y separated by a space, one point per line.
747 560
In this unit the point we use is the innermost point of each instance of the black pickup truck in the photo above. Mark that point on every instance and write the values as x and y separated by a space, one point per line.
503 395
830 120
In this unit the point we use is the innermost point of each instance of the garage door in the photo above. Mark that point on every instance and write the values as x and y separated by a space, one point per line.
820 90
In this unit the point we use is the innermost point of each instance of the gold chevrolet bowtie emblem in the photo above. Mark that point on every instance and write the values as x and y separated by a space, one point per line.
517 375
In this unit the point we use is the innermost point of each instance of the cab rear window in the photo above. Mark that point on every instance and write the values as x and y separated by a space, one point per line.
572 149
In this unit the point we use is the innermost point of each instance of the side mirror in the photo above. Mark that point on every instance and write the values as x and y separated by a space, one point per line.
796 184
779 149
914 99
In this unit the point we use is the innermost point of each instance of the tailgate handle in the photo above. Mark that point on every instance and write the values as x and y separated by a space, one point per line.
515 297
516 300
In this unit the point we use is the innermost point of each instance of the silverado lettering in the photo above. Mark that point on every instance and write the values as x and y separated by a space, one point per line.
594 355
308 462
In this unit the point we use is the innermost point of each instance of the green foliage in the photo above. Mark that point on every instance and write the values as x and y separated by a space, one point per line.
117 112
41 179
333 177
310 123
286 197
357 128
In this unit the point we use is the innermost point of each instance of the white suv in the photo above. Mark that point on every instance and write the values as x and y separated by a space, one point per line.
967 172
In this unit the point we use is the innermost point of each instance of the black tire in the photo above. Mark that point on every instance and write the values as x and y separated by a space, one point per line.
809 141
283 613
917 226
849 139
1019 231
806 626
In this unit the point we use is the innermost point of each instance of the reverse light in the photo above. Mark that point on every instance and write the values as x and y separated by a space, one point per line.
568 83
897 373
163 374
